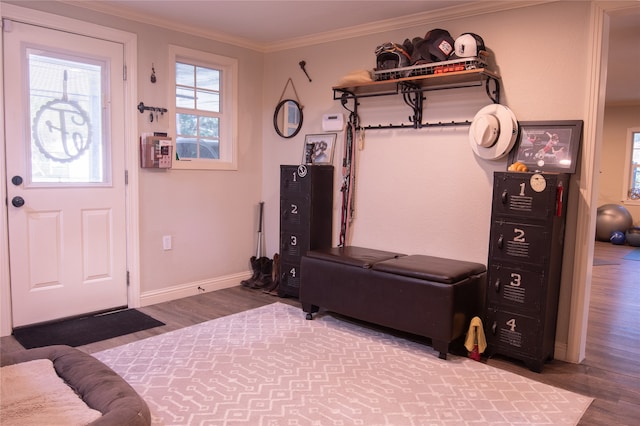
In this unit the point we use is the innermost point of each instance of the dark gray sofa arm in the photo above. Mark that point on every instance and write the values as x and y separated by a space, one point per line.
100 387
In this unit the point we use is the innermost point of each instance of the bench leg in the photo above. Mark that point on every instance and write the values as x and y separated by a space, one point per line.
441 347
310 310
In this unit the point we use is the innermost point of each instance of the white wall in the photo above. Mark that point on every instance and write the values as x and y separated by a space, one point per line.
418 191
211 215
423 191
617 120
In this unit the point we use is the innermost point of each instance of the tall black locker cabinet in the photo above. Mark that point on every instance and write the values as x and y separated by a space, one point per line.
306 207
525 265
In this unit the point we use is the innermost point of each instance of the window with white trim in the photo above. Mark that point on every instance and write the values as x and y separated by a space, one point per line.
632 167
205 101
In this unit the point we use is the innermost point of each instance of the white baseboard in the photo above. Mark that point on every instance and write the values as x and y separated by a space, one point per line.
560 352
191 289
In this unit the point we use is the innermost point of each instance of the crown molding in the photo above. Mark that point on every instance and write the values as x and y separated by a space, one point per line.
414 20
165 23
426 18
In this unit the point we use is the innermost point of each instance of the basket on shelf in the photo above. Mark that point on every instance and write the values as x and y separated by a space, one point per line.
458 64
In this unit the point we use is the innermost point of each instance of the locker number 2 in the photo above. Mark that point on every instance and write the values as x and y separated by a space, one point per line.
519 235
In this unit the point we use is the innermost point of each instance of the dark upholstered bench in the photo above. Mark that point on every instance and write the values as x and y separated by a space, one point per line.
423 295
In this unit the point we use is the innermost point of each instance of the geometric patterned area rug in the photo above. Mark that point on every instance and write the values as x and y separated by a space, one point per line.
633 255
271 366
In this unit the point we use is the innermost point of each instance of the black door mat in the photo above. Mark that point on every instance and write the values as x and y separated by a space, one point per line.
85 330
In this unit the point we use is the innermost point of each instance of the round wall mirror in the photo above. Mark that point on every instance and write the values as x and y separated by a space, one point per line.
287 118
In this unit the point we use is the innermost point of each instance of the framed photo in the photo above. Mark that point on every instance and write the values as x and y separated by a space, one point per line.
548 146
318 149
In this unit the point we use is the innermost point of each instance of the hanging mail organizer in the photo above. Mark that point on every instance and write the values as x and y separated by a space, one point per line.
413 82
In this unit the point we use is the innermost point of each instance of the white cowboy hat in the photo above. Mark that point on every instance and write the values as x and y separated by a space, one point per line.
493 132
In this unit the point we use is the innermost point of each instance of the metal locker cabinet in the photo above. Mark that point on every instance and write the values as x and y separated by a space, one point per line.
525 264
306 209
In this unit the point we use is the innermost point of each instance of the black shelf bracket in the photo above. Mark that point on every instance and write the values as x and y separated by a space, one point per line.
492 87
413 95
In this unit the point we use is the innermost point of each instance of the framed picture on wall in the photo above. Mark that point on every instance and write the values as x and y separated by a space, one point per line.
548 146
318 149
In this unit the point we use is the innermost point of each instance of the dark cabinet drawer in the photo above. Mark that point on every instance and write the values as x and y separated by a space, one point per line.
290 278
294 212
529 195
513 331
293 244
295 180
520 242
515 286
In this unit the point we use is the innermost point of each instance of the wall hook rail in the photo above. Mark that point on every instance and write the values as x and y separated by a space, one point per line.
413 89
142 108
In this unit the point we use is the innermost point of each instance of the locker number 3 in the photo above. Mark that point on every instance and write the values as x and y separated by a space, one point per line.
516 279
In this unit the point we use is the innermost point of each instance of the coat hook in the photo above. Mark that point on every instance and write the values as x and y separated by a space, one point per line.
303 64
153 73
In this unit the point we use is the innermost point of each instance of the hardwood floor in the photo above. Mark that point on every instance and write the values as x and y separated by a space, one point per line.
610 372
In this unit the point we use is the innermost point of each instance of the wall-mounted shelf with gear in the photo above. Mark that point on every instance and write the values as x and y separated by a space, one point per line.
412 82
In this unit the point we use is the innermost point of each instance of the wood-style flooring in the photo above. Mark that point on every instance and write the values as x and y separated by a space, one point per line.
610 372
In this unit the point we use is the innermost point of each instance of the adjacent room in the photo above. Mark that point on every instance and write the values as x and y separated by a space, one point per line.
320 212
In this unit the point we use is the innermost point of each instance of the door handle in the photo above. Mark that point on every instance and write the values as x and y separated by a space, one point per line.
16 180
17 201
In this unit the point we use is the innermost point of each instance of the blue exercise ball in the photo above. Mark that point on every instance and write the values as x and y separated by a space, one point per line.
617 238
612 218
633 236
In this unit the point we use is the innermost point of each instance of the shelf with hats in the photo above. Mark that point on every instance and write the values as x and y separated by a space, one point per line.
435 62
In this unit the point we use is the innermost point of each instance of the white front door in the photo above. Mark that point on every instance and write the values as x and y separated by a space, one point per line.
65 155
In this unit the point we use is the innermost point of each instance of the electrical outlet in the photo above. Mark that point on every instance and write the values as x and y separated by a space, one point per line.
166 242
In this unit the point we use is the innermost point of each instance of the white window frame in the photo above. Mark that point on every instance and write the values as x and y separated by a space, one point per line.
228 104
628 170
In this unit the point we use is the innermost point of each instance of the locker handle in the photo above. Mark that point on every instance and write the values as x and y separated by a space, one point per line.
497 285
504 197
501 241
494 327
